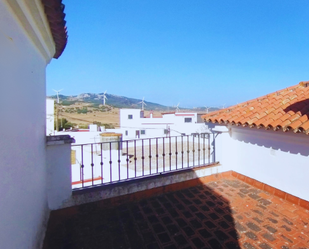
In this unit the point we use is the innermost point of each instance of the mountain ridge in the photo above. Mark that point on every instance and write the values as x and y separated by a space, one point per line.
96 99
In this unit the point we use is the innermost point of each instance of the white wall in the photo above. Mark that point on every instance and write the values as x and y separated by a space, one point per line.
273 157
59 176
50 117
154 127
23 199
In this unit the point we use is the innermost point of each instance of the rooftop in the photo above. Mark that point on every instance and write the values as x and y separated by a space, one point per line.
54 10
286 110
222 212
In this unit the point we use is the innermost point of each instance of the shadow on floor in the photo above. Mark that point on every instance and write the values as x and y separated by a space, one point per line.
195 217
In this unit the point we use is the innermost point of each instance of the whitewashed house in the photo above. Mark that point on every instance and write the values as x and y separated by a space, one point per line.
267 139
133 124
32 32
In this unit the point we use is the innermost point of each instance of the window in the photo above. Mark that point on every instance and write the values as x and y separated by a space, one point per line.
143 132
130 116
127 133
188 120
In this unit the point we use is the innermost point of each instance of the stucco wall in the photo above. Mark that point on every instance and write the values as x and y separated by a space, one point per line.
276 158
50 119
23 205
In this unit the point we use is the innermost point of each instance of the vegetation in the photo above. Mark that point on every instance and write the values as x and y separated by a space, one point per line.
83 110
64 124
107 126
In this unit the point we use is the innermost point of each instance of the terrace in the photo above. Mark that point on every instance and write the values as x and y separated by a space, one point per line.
252 193
218 211
154 202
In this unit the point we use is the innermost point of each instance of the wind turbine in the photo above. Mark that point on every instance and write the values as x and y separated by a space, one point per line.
143 103
177 107
57 94
207 109
104 98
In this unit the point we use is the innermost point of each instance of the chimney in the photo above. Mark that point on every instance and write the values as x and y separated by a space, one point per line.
304 83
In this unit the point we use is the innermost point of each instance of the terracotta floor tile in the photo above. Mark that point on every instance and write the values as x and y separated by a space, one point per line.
225 213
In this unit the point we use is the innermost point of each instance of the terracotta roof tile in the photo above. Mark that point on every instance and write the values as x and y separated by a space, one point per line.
305 127
54 10
284 110
295 124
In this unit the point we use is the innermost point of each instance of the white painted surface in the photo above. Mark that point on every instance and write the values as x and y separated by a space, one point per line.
59 174
140 127
23 195
50 117
273 157
93 128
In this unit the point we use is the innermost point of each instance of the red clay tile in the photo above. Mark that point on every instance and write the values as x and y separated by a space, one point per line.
288 214
241 177
291 198
226 174
55 17
258 184
196 217
234 173
279 193
304 203
269 189
280 110
249 180
264 195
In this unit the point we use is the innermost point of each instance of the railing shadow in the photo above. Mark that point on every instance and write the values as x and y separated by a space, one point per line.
192 214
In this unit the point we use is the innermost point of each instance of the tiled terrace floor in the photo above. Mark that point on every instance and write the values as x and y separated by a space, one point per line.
227 213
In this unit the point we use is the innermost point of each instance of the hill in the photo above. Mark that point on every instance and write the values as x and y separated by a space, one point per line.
86 108
112 100
95 100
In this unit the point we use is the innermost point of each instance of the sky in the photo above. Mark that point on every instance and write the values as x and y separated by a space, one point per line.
195 52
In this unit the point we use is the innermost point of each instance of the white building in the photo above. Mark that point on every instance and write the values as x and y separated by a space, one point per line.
133 124
32 32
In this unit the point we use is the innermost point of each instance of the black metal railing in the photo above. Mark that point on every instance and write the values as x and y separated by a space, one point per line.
116 161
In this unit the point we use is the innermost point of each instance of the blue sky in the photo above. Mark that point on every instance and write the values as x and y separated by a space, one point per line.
198 52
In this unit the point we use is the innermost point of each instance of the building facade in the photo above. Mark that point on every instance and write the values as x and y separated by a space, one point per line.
134 125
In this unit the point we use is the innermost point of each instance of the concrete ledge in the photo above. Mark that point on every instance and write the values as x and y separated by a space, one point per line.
145 187
59 139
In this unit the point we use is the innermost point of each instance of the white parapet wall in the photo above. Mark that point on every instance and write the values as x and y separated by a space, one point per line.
58 156
279 159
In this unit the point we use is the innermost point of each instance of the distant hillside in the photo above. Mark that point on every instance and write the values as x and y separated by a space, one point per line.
116 101
112 100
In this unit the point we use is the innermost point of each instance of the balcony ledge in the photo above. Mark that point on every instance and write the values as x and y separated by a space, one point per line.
59 139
